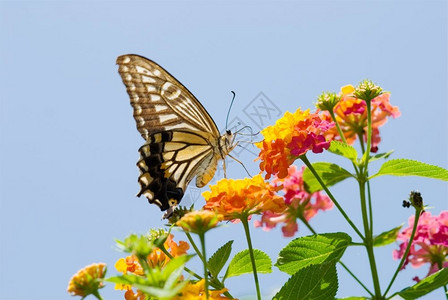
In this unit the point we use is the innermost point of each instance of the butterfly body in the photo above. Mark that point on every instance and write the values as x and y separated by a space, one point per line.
182 140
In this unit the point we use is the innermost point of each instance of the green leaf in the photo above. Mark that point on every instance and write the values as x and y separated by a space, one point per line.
162 293
328 172
126 279
241 263
343 149
380 155
426 285
386 237
219 259
408 167
312 250
174 265
317 282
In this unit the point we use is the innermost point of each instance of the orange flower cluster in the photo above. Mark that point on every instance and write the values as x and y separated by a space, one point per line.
351 114
85 281
234 199
196 291
292 136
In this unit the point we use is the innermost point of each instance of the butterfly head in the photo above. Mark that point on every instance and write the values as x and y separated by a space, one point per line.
227 142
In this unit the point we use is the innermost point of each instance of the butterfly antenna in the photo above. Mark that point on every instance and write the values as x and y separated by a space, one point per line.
228 112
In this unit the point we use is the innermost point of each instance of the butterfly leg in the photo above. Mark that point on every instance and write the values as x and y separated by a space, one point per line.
238 161
224 167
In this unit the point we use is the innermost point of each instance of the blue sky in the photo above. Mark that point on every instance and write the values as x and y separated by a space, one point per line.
69 144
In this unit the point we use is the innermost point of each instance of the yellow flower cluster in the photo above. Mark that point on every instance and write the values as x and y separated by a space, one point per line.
87 280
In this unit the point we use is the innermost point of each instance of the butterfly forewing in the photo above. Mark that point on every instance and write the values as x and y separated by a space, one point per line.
182 140
161 102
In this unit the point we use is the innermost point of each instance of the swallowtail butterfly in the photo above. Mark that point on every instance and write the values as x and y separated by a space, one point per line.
182 140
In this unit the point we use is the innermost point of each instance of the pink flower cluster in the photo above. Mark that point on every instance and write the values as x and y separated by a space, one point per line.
430 244
298 204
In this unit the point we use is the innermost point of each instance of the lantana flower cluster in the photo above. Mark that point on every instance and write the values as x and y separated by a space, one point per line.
236 199
87 281
430 244
298 203
351 115
292 136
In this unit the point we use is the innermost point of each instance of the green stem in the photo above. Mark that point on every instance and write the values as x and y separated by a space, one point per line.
204 261
356 278
193 244
369 199
245 222
406 252
341 134
341 210
302 218
185 268
217 285
369 135
369 240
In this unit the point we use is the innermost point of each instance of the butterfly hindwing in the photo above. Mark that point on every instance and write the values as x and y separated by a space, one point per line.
169 161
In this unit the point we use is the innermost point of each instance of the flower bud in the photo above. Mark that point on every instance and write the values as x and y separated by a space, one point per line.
327 101
367 90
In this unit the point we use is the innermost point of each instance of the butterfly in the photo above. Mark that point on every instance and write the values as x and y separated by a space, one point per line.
182 140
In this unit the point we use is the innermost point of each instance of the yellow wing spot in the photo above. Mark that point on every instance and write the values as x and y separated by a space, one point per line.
146 149
145 178
172 202
142 165
157 137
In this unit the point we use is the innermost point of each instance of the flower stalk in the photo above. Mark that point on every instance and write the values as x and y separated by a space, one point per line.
244 220
336 203
406 252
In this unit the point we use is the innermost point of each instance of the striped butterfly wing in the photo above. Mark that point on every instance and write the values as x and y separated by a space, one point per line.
182 140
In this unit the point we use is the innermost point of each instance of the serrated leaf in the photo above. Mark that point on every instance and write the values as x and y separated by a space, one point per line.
426 285
408 167
219 259
317 282
343 149
241 263
328 172
312 250
386 237
380 155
